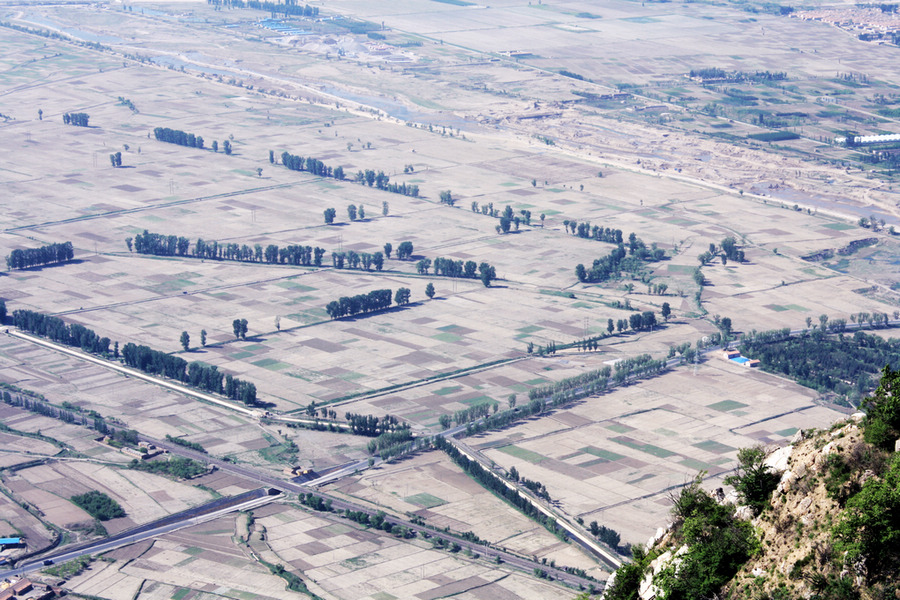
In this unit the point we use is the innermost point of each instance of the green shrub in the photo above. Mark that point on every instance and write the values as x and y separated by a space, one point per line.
832 588
870 526
797 569
882 425
186 443
98 505
753 480
182 468
838 479
628 577
718 546
70 568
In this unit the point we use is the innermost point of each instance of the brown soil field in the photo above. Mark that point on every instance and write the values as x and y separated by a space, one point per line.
614 459
143 496
432 487
338 561
353 563
502 106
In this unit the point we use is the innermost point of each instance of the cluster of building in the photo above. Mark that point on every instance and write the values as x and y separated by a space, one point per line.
735 356
24 589
282 27
863 140
304 472
870 23
8 544
144 450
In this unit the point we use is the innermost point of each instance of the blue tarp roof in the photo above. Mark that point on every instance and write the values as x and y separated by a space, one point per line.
10 540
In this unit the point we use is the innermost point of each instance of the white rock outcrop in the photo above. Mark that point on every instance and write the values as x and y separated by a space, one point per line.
743 513
787 480
648 589
778 460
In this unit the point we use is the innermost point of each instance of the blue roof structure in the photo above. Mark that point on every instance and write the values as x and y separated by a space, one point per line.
8 541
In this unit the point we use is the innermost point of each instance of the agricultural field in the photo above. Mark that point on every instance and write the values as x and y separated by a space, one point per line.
614 459
339 560
203 561
430 486
565 113
154 412
143 496
349 563
611 459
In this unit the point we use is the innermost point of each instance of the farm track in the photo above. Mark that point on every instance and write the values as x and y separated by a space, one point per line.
202 513
423 382
180 294
339 503
137 209
558 515
131 372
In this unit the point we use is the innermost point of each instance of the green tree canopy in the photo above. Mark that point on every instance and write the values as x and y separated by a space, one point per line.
882 425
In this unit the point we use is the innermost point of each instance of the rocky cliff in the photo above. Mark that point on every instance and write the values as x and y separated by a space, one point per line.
830 528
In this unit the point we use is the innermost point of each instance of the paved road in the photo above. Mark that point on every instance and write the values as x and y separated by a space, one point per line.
130 537
520 562
267 480
341 504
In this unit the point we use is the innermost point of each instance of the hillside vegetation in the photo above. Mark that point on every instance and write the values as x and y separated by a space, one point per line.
817 519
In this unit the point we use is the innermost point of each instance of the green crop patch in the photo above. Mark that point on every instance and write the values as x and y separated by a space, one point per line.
447 390
605 455
697 465
425 500
270 363
292 285
797 307
839 226
642 447
714 447
446 337
619 428
522 453
727 405
529 329
478 400
680 268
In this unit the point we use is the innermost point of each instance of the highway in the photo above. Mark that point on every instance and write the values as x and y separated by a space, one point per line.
341 504
267 480
144 532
